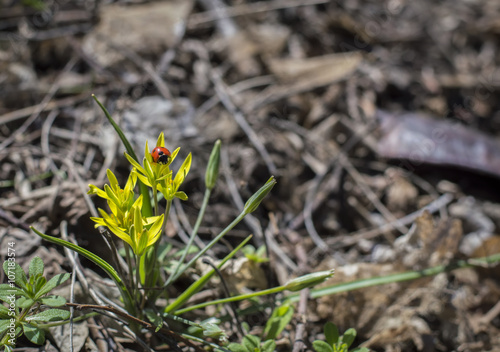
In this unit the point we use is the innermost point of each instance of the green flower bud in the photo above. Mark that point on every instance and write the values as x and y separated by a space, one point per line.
213 166
258 196
309 280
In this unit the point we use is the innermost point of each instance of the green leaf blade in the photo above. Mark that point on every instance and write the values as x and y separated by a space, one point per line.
53 301
322 346
4 325
269 346
50 315
251 342
4 312
7 292
331 333
349 337
236 347
36 267
52 283
24 302
34 334
279 320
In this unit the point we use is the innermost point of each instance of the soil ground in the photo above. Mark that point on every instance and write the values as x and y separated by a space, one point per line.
365 112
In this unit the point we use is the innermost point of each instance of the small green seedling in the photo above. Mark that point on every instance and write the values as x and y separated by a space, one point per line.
278 321
255 255
25 298
252 343
336 342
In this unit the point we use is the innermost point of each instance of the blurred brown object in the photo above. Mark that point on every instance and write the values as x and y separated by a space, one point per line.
489 247
421 139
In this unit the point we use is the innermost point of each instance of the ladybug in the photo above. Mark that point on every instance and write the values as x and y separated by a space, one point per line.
161 155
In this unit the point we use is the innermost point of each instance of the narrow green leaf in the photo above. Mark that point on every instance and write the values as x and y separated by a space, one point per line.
147 210
40 281
331 333
53 301
6 292
52 283
236 347
349 337
4 312
50 315
4 325
24 302
251 342
117 128
361 349
34 334
279 320
36 267
269 346
322 346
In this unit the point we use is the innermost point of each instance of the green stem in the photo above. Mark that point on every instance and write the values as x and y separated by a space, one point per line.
399 277
155 199
198 284
167 212
269 291
138 280
129 263
172 278
196 227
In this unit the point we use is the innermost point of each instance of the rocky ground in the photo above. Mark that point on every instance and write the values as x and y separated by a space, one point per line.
365 111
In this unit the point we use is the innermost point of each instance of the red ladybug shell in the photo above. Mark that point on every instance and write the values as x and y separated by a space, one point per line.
161 155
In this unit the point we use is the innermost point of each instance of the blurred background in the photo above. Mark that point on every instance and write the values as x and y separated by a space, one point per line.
379 119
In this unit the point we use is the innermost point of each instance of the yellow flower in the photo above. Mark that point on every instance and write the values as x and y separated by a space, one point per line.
119 200
159 176
126 220
138 231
